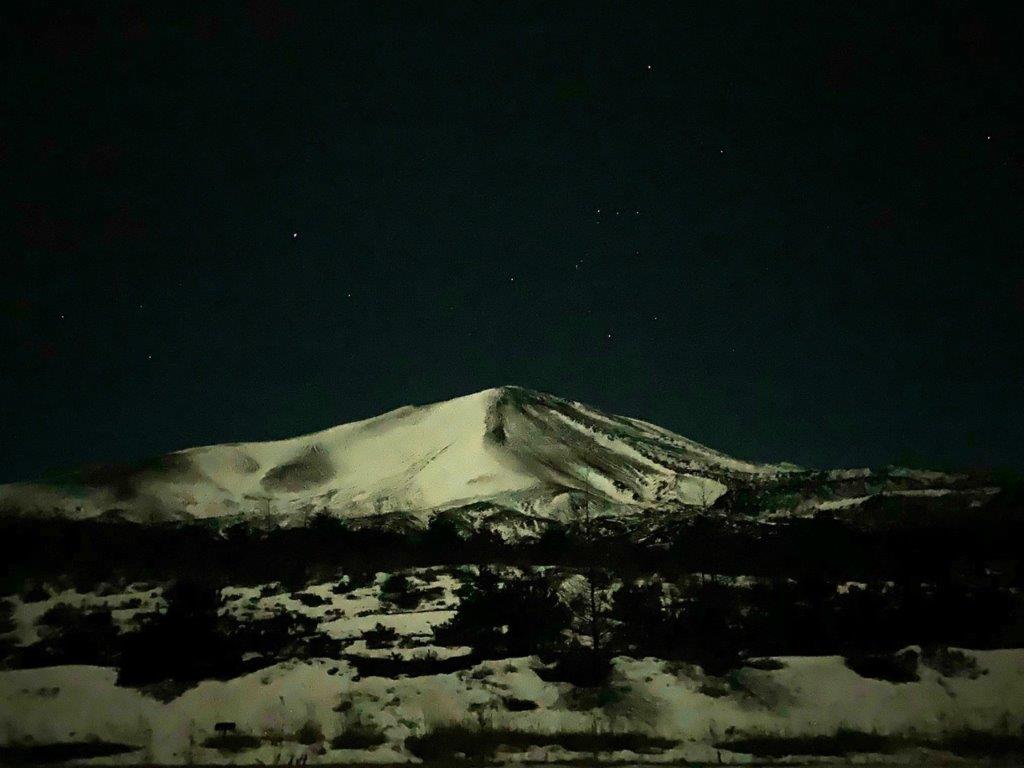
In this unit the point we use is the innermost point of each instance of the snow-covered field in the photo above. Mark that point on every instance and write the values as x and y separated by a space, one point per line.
343 613
322 710
124 607
320 700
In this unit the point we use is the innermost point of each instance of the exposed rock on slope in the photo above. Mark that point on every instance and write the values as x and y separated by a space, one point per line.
512 449
507 460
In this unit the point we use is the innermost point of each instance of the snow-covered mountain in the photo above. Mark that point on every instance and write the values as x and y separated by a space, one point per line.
508 459
502 451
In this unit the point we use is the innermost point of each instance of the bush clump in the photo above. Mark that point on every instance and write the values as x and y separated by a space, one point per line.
232 742
310 599
35 594
309 733
357 737
380 637
513 704
893 667
950 662
399 591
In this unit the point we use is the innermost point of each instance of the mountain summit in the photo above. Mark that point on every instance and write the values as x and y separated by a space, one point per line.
509 449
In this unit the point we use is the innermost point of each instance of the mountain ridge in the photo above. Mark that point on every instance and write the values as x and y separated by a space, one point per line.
506 458
505 444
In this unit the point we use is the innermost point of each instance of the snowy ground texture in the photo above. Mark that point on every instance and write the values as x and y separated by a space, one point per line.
322 711
295 710
344 613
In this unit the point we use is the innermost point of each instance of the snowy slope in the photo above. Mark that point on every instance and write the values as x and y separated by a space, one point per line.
511 448
807 696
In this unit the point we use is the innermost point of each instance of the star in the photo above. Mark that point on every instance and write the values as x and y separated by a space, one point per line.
294 235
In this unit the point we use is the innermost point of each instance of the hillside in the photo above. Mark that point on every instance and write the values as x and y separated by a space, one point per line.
511 448
426 586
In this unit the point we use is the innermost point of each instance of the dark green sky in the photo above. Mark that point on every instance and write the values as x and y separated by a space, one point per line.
809 244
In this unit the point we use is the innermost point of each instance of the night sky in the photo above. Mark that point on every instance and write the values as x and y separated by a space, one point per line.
792 236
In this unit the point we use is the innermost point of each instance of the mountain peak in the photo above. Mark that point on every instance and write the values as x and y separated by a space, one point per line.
509 446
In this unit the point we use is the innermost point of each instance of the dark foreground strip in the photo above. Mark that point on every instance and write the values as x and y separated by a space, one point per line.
37 754
848 742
